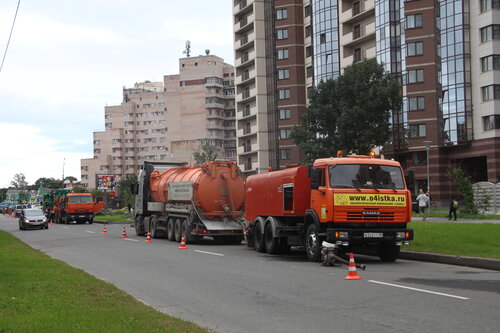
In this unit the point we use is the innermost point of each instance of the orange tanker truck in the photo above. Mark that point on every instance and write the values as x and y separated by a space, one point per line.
358 203
175 200
79 207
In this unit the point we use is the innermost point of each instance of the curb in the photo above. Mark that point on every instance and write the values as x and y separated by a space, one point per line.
486 263
112 222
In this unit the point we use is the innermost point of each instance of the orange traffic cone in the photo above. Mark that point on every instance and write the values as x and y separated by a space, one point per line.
124 233
353 274
104 230
183 243
148 238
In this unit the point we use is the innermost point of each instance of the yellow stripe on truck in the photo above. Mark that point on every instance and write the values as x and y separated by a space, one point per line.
393 200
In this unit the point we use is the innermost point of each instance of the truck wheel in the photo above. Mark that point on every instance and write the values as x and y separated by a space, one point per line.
313 243
269 240
177 230
258 238
185 231
153 223
139 226
388 252
170 229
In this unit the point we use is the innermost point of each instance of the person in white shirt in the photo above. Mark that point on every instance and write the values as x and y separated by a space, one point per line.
423 203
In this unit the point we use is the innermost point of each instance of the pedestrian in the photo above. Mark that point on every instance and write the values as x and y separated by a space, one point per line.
453 208
423 203
129 206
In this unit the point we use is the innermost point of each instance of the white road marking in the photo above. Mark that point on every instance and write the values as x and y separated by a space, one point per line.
91 232
416 289
214 254
132 240
65 228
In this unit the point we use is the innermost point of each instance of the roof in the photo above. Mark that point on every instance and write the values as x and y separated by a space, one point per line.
355 159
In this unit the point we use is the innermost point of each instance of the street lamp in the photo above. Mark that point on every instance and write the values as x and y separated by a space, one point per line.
427 148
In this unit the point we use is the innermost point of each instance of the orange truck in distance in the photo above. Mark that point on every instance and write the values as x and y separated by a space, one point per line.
79 207
359 203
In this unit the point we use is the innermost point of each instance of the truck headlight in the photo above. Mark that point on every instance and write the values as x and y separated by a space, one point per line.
400 234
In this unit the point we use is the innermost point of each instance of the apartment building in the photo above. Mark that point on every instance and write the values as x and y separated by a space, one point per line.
166 121
446 54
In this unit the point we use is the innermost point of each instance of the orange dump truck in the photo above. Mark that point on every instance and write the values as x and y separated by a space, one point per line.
79 207
175 200
358 203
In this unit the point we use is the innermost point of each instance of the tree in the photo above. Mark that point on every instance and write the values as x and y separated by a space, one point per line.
350 113
19 182
48 183
462 181
79 189
124 190
204 154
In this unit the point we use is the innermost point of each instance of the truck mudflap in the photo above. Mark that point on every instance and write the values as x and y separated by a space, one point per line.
223 227
347 236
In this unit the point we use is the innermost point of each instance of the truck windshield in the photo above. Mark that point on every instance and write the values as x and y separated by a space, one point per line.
366 176
80 199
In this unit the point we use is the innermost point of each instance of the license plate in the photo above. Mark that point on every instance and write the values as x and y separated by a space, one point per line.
373 235
82 215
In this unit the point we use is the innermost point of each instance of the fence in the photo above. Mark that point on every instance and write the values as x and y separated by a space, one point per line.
487 189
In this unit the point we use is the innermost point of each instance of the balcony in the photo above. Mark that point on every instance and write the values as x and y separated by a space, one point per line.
242 8
358 37
353 15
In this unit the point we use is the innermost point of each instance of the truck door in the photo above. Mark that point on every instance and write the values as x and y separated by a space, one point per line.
320 195
288 189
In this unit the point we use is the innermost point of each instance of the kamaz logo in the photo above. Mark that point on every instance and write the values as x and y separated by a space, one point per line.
371 213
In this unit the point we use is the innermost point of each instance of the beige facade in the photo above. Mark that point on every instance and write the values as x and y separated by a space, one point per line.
166 121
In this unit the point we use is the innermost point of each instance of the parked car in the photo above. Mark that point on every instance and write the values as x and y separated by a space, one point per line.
33 218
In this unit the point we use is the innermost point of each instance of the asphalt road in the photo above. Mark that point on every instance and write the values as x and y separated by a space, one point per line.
230 288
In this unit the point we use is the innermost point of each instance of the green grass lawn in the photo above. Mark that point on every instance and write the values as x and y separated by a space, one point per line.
41 294
462 239
112 218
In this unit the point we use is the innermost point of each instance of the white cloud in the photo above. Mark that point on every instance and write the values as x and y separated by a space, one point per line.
28 151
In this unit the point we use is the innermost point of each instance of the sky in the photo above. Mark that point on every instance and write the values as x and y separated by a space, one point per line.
68 59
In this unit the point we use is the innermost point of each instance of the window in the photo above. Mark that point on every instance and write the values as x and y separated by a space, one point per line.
285 133
322 38
108 116
309 51
284 114
414 21
282 33
307 11
357 55
356 31
282 53
417 131
415 76
281 14
491 62
284 94
285 154
491 122
356 8
490 32
283 74
490 92
309 71
416 103
487 5
308 31
416 48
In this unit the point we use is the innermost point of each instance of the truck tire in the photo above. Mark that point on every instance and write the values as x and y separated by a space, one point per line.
170 229
139 226
258 237
177 230
271 243
313 243
185 231
153 223
388 252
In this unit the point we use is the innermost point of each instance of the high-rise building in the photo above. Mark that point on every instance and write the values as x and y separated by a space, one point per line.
446 54
166 121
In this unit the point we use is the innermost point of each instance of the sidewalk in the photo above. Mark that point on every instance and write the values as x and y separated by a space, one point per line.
445 220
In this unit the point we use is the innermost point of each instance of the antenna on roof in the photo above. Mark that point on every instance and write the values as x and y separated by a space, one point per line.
187 50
